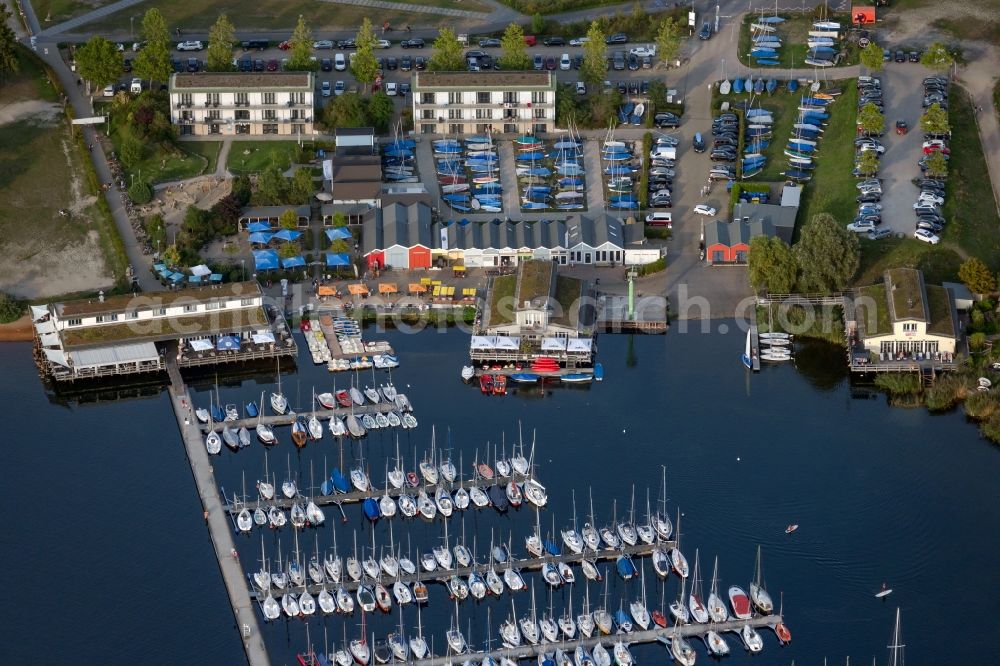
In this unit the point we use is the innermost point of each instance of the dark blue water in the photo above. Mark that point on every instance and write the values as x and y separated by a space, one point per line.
108 538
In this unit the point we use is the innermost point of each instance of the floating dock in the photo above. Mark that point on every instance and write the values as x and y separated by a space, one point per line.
288 419
439 576
217 520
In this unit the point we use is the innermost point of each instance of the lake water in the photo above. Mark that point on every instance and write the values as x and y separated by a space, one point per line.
111 560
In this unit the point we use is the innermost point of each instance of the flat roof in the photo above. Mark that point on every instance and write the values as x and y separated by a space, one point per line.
240 80
483 80
906 296
166 328
939 311
534 282
157 299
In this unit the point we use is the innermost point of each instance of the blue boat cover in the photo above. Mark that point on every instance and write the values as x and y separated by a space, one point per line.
372 512
251 408
551 548
337 259
287 235
339 481
258 226
293 262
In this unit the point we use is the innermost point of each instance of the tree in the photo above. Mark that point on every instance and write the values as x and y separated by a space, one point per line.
668 40
339 219
348 110
537 23
365 66
937 165
141 192
976 276
99 62
870 119
156 230
448 54
380 110
828 255
595 63
772 266
220 45
289 219
300 48
935 120
936 57
172 256
339 246
272 186
288 250
868 162
871 57
302 187
11 308
515 51
8 45
131 151
153 61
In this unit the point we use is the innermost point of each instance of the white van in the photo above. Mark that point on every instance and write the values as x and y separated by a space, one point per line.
136 86
339 63
660 219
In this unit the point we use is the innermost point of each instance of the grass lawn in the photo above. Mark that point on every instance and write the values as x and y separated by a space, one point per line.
938 263
793 33
30 82
207 149
165 162
970 207
60 10
254 156
276 14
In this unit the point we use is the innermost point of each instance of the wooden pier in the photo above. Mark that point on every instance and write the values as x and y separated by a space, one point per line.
288 419
656 634
527 370
356 496
649 315
441 576
217 520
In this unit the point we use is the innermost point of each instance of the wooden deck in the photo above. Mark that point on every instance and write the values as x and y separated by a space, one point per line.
288 419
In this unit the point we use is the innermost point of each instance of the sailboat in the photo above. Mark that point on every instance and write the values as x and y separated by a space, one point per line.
695 605
758 595
509 632
677 559
751 639
896 647
746 357
359 646
418 646
678 609
716 607
278 402
585 620
264 432
638 609
681 650
571 537
454 636
589 534
213 443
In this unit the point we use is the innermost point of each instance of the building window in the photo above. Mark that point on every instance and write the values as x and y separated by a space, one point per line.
428 128
160 312
454 114
538 97
427 114
246 301
426 98
510 98
187 116
539 114
242 114
483 128
454 98
74 322
297 98
509 128
214 114
103 319
270 114
718 256
131 314
242 99
213 99
483 98
212 305
741 257
298 129
484 114
190 308
268 98
242 128
186 99
456 128
269 128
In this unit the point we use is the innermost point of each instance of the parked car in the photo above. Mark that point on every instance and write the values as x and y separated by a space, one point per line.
323 44
666 119
109 91
879 233
406 63
347 44
550 63
126 65
698 144
538 62
384 44
272 65
618 61
554 41
193 65
391 89
579 41
420 62
926 236
404 88
564 62
861 226
339 62
914 56
338 88
194 45
412 44
703 209
581 88
489 43
706 31
326 65
256 45
617 38
325 88
633 62
530 40
900 56
643 51
391 63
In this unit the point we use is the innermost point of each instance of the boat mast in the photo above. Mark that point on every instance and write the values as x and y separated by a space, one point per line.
896 656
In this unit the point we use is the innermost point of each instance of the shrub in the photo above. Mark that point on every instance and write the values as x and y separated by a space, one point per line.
654 267
11 308
899 383
141 192
977 341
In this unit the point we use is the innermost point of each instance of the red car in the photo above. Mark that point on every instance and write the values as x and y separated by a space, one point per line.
530 40
902 127
284 46
272 65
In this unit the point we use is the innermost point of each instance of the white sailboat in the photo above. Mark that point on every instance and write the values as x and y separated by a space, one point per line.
278 402
896 647
638 609
758 594
695 605
746 358
716 606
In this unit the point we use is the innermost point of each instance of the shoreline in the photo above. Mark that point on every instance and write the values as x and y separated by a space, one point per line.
19 330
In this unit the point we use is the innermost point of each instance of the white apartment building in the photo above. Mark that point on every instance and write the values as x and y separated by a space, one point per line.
479 102
252 103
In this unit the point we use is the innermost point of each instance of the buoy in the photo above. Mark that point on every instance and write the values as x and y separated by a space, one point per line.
737 458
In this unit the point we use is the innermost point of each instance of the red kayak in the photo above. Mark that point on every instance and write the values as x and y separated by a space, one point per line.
486 384
500 385
784 635
658 619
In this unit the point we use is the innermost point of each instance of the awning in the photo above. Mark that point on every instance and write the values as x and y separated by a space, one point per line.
56 356
482 343
227 342
265 260
262 337
258 226
50 340
579 344
327 291
414 288
45 327
292 262
125 353
287 235
38 311
385 288
357 289
194 279
261 237
200 345
215 277
553 344
176 277
338 233
159 268
337 259
458 269
201 270
507 342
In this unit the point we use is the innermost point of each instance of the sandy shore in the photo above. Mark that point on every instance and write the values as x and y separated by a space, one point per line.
17 331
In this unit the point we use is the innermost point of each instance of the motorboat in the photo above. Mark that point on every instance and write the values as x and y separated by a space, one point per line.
740 602
716 644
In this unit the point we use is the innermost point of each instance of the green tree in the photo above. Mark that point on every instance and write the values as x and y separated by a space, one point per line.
99 62
289 219
220 45
339 246
936 57
153 61
141 192
8 45
937 165
172 256
365 65
976 276
339 219
935 120
288 250
868 162
448 54
348 110
272 186
604 107
515 51
537 23
11 308
828 255
300 48
870 119
772 266
156 230
871 57
668 40
380 111
302 187
595 63
131 151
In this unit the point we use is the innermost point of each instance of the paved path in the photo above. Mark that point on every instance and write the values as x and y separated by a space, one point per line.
594 177
220 165
508 178
82 19
417 9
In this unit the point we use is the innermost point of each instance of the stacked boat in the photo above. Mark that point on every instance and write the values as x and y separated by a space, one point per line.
620 172
469 174
631 114
569 190
533 176
756 137
823 42
775 347
318 348
765 41
802 148
398 162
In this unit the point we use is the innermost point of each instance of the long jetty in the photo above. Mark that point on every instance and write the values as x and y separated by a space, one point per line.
442 576
288 419
216 519
656 634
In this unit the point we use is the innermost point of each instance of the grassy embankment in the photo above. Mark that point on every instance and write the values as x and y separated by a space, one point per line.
794 33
